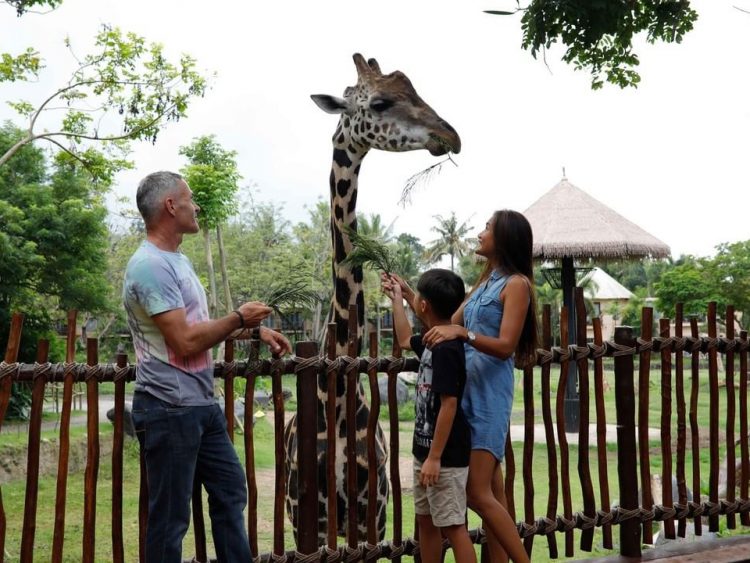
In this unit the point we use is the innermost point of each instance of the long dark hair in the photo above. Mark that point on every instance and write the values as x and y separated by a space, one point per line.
514 242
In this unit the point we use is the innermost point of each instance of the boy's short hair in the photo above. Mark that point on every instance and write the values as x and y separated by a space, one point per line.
443 289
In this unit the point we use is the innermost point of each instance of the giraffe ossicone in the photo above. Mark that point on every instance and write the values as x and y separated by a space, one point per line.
384 112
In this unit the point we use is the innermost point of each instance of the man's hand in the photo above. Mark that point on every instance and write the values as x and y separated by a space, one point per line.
430 472
276 341
253 312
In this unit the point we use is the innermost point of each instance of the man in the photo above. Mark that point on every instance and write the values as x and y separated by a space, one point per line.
181 428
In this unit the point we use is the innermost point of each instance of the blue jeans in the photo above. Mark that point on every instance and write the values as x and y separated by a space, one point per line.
181 444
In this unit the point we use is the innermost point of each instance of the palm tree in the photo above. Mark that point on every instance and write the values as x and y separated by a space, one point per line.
374 228
451 241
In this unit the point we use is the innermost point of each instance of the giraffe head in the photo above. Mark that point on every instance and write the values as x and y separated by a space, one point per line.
384 111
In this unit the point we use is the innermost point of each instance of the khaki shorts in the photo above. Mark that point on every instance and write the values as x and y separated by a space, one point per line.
445 501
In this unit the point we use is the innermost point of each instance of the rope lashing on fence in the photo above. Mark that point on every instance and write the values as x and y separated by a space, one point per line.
69 368
598 351
120 373
301 364
728 344
644 345
664 512
710 344
729 507
330 555
679 343
372 551
279 558
229 368
621 350
93 372
6 369
578 352
693 344
394 363
560 355
313 557
41 370
543 356
352 553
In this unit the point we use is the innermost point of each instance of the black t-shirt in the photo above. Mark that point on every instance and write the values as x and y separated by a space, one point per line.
442 371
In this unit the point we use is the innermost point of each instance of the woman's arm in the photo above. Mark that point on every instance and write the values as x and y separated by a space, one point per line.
515 297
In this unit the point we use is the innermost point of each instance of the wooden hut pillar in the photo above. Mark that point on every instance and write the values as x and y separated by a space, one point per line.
572 401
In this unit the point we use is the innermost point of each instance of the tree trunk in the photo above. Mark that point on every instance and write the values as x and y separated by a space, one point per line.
224 276
212 308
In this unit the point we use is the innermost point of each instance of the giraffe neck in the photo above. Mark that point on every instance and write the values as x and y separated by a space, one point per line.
347 280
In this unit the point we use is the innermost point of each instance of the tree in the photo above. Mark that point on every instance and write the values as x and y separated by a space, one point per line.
23 6
314 249
729 274
53 242
451 240
371 225
598 36
408 253
213 176
689 283
126 90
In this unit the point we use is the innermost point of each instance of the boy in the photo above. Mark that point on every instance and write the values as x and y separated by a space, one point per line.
441 436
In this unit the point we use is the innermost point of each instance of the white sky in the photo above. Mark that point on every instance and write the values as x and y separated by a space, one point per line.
672 155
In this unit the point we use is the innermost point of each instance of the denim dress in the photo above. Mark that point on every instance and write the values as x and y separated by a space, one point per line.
488 396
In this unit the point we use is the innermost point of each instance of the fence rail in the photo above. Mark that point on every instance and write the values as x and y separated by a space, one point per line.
634 514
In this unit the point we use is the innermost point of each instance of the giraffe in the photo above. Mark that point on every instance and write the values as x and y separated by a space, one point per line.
380 112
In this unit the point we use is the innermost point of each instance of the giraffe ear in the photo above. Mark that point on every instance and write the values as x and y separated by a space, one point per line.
329 104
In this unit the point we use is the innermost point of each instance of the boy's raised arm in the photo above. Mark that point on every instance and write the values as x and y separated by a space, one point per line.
401 326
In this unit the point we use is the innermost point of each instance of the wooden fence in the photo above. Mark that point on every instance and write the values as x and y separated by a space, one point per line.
678 357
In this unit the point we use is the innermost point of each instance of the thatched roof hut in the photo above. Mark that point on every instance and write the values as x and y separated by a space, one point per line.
568 222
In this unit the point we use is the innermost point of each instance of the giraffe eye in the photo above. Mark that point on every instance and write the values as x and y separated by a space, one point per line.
380 105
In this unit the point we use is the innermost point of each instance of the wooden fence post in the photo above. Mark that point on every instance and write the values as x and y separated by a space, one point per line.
307 450
630 541
11 355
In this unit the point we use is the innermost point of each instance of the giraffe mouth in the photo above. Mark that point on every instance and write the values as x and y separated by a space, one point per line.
439 146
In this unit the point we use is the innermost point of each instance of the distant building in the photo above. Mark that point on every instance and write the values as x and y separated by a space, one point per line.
609 298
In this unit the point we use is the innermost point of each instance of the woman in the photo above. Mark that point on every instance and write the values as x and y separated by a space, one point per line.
496 322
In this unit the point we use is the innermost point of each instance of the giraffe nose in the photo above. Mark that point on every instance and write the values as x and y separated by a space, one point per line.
451 136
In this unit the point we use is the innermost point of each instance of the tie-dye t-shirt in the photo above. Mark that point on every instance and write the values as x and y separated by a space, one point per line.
157 281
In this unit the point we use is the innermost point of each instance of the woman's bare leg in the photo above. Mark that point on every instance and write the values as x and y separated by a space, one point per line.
502 534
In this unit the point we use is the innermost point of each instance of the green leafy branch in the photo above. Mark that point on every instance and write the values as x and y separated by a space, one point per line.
290 293
369 252
599 35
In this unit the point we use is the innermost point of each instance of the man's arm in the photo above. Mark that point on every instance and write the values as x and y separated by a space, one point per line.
431 466
189 339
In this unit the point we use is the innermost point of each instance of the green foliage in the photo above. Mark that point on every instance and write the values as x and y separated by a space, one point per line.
729 273
598 35
134 88
23 6
213 176
369 252
689 283
21 67
290 293
52 233
452 239
635 274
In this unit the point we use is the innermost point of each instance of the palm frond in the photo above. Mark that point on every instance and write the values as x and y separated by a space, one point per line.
422 177
369 252
290 293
